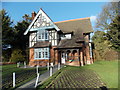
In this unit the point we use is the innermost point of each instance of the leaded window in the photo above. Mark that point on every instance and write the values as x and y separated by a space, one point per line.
42 35
41 53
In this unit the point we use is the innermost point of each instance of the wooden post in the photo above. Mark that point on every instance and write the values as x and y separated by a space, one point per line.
52 64
18 64
13 79
37 69
51 69
48 66
24 64
37 80
58 66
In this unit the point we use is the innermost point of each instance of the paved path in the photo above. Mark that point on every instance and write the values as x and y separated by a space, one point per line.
43 77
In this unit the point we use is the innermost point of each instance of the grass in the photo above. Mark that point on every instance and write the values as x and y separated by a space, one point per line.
106 70
49 80
23 75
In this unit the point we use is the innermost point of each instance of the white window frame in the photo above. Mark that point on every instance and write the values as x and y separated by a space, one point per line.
41 35
40 53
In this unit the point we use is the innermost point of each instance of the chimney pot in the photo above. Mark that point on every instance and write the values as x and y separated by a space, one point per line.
33 15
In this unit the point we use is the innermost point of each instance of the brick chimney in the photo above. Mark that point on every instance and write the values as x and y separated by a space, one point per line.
33 15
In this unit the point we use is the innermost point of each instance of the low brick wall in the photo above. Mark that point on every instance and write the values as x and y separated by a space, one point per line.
6 63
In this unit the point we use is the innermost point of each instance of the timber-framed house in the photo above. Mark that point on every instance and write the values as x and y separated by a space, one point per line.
66 42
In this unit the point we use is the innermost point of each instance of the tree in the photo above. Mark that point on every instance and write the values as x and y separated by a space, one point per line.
108 13
109 20
17 56
21 40
27 18
7 34
101 44
113 33
107 32
7 29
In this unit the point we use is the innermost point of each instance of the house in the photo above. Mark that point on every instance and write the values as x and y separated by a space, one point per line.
66 42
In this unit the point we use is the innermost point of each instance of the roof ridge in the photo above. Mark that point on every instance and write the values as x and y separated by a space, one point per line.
73 20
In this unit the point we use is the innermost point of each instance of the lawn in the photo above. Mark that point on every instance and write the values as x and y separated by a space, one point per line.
107 70
23 75
85 77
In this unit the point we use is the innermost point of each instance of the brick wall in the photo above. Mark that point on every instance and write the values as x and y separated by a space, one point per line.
43 62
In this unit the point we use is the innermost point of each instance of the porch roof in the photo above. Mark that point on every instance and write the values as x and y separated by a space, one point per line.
71 43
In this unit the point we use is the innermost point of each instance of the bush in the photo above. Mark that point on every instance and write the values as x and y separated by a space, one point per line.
17 56
111 55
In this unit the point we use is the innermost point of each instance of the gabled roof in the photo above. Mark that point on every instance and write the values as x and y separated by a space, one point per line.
45 15
76 25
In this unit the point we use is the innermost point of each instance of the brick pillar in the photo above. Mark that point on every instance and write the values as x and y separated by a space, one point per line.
52 55
31 57
56 57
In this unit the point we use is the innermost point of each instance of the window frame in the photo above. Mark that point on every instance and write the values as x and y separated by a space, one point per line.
42 35
41 52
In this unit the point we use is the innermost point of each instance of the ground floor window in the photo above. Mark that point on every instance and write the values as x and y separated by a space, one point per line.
41 53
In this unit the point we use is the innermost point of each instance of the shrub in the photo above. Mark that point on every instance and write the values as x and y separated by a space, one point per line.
17 56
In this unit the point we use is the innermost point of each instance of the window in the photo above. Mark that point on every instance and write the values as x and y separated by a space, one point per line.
36 55
41 53
46 35
39 36
46 54
42 35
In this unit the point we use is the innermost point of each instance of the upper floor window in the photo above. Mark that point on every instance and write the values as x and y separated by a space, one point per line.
42 35
66 36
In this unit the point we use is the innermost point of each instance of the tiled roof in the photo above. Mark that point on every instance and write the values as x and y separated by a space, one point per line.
75 25
70 43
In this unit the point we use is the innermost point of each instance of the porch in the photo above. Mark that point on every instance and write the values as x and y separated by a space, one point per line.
70 56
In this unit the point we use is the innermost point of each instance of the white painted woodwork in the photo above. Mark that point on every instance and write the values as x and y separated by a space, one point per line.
24 64
58 66
13 79
63 58
37 79
37 69
67 36
41 20
48 66
51 71
32 39
53 37
90 50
